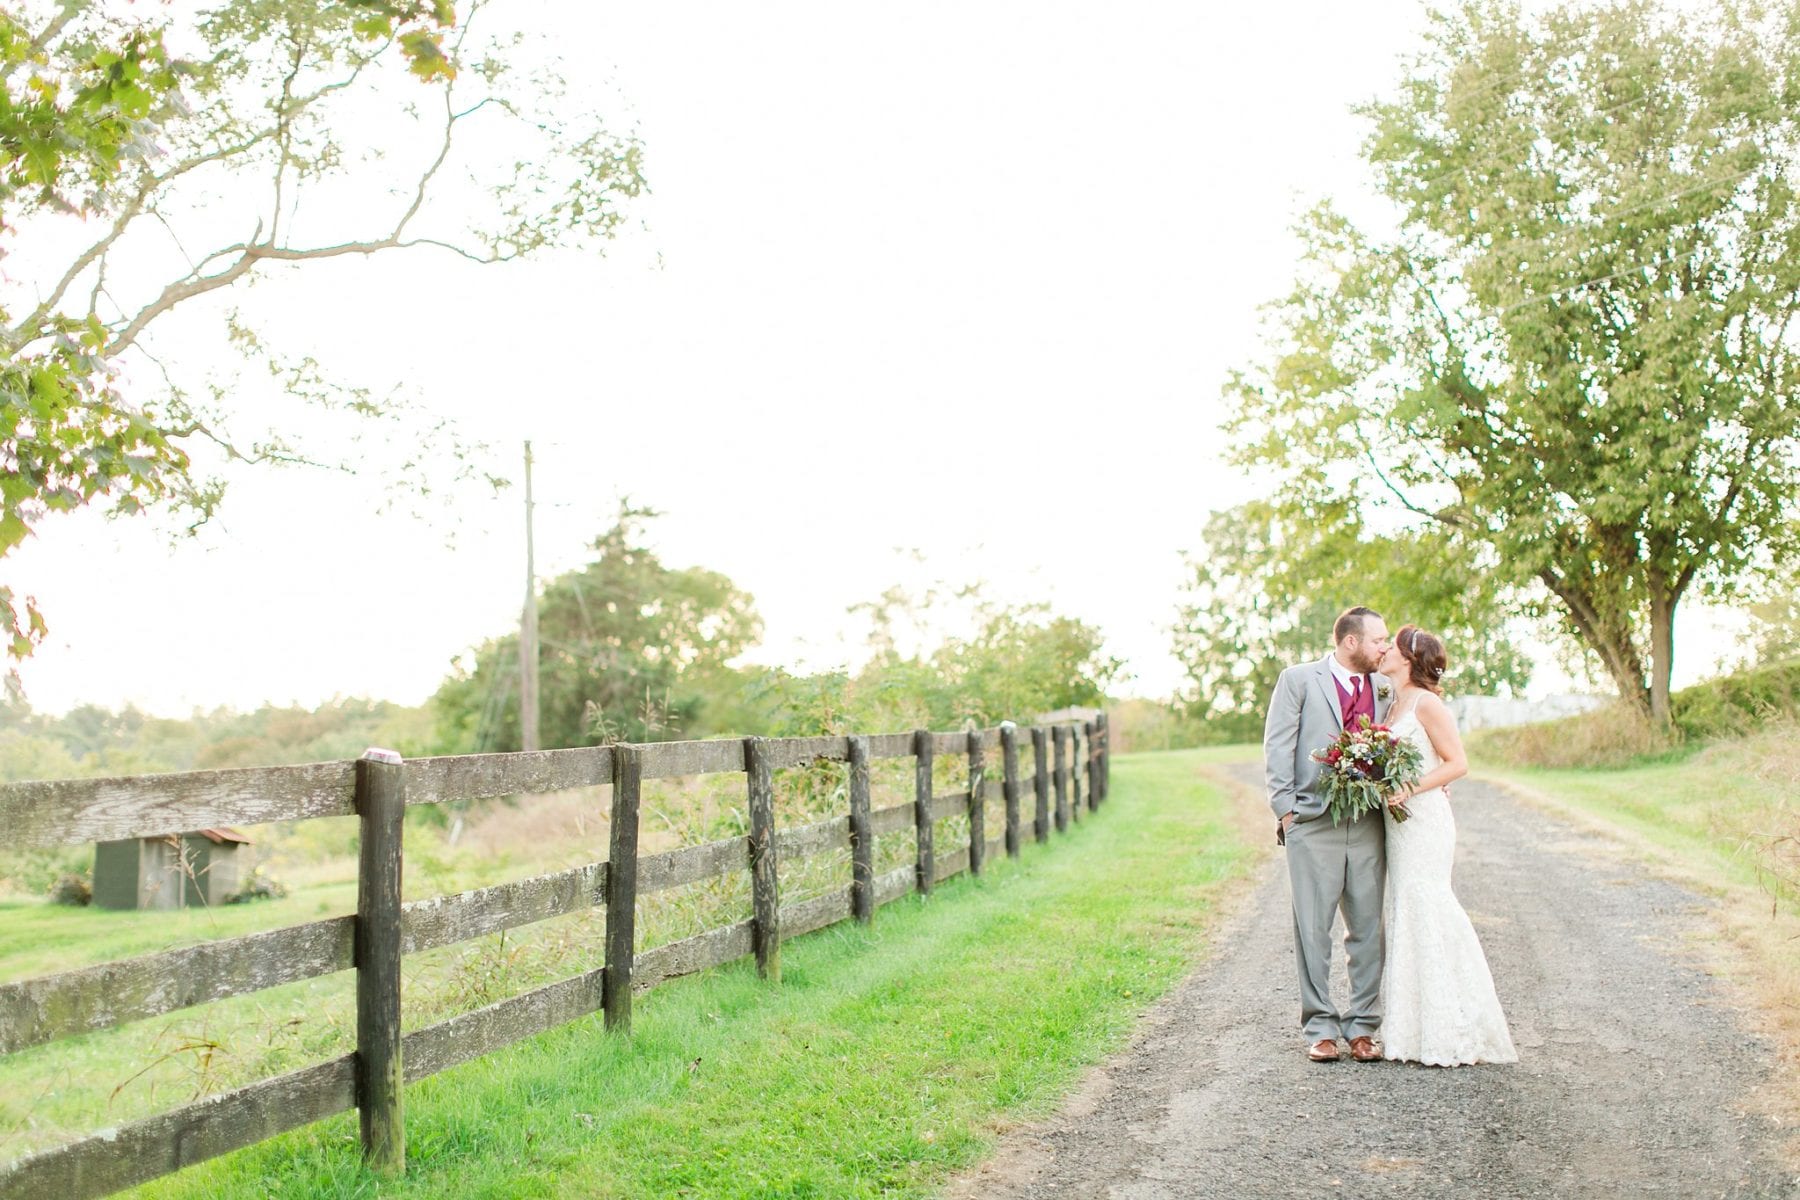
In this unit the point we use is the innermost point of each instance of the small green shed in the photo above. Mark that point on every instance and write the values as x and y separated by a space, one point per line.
194 870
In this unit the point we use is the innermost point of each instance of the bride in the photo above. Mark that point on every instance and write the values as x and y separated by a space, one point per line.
1437 995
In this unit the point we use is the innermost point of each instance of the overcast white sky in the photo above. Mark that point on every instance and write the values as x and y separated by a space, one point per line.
963 278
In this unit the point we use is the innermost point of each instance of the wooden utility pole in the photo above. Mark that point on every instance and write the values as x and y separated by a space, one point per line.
528 633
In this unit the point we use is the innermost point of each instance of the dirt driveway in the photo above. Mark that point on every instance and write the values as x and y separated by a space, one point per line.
1633 1075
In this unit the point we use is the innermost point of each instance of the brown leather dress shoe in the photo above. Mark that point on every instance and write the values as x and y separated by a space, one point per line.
1323 1051
1362 1049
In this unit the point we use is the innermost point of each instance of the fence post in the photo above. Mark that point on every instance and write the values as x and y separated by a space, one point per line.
1040 782
621 885
922 807
977 802
1009 784
380 1078
1075 772
862 838
765 891
1091 760
1105 757
1059 737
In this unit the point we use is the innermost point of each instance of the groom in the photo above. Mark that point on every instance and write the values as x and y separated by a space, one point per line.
1330 867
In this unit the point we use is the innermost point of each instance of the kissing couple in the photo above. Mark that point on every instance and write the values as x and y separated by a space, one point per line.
1413 955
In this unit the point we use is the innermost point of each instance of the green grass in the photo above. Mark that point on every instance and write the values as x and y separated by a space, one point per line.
886 1059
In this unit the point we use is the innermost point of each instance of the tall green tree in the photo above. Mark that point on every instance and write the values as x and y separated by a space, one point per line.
1265 589
1577 353
632 650
152 155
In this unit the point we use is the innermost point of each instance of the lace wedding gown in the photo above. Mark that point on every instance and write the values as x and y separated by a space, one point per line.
1438 1001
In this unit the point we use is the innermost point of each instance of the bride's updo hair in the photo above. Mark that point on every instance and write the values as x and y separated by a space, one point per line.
1425 658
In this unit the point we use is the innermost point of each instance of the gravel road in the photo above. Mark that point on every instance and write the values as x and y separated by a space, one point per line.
1633 1069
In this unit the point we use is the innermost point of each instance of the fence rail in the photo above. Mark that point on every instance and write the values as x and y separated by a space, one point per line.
376 789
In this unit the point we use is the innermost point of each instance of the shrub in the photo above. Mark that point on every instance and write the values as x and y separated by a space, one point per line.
258 885
1738 704
72 889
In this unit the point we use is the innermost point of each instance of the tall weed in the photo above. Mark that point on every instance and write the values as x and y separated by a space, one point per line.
1616 736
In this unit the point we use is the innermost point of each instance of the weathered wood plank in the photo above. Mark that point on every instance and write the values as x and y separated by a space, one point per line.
691 864
862 834
950 743
891 819
950 804
996 846
34 1011
71 811
894 884
118 1158
471 1035
663 759
803 841
696 953
527 773
792 752
621 886
954 863
446 920
891 745
380 1084
765 887
804 916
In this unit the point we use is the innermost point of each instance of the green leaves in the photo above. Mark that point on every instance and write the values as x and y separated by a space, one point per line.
1576 352
1271 578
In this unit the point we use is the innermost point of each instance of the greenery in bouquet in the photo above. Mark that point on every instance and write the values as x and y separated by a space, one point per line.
1364 765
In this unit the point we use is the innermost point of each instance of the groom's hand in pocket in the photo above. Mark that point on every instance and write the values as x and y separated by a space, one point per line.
1281 828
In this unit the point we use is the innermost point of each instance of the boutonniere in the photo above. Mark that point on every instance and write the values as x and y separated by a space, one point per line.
1383 691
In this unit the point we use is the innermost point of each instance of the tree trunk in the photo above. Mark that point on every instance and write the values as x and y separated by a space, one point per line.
1663 599
1611 642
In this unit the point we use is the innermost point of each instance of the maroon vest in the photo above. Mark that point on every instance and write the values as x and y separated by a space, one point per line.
1362 706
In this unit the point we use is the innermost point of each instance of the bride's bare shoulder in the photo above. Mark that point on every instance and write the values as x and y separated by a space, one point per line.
1432 705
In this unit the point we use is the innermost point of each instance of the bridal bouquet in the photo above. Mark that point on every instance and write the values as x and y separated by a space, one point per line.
1363 767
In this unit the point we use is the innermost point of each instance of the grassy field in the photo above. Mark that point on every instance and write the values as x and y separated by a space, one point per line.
885 1060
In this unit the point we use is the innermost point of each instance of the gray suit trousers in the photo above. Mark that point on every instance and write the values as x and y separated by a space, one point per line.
1336 867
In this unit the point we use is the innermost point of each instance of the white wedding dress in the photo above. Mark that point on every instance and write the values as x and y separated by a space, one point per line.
1438 1001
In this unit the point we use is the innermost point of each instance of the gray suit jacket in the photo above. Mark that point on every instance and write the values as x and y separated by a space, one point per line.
1303 716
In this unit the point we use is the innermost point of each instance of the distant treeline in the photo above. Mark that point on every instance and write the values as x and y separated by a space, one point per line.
631 650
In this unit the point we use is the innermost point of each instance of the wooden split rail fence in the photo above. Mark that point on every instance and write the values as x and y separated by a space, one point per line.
377 789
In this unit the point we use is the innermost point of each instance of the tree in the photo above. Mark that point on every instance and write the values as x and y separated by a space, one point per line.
1576 355
632 651
259 134
1268 585
1013 662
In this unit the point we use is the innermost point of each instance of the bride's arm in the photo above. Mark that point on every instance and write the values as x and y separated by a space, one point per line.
1440 726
